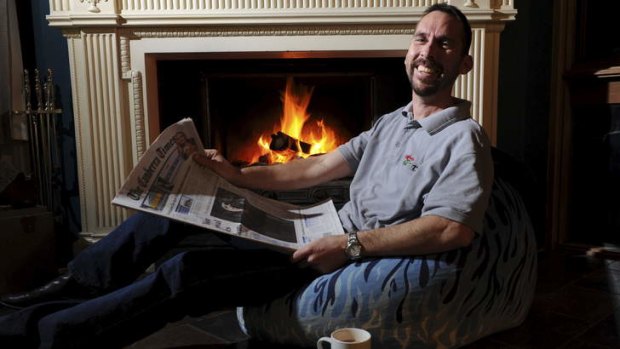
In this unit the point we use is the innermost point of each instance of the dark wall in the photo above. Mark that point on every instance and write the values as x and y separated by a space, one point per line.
45 48
523 101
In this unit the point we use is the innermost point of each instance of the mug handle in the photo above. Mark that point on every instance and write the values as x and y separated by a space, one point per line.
322 340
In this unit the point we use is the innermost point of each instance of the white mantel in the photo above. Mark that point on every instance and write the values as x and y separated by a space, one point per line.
110 42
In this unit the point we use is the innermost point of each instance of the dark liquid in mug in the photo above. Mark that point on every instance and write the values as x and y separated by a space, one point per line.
348 340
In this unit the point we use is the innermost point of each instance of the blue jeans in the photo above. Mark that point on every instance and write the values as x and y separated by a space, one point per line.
134 305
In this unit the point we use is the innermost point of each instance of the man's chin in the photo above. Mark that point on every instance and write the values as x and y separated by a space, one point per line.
426 91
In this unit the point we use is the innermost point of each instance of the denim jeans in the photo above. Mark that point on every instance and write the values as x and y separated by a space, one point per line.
134 304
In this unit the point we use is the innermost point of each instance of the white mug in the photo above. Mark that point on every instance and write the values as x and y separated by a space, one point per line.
346 338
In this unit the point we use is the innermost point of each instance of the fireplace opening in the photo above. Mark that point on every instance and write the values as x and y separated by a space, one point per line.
234 101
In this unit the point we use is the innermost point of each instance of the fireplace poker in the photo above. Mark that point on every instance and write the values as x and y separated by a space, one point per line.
36 126
53 112
27 97
49 133
43 137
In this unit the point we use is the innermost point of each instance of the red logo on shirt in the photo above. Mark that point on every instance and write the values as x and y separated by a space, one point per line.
408 162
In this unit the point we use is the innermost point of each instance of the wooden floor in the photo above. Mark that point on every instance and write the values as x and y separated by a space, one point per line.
577 305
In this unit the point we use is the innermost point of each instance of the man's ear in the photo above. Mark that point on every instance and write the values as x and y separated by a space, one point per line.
466 64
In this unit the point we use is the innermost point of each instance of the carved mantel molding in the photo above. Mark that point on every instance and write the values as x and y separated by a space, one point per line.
109 41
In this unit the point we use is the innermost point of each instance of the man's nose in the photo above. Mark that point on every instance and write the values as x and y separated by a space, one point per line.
428 49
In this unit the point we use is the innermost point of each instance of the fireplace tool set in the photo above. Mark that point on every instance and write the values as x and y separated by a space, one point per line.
44 149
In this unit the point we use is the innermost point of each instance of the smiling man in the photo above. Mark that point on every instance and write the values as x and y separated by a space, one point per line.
422 178
435 206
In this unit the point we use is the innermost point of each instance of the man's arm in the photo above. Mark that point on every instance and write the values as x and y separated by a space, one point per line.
296 174
424 235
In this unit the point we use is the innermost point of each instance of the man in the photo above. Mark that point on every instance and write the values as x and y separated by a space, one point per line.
421 182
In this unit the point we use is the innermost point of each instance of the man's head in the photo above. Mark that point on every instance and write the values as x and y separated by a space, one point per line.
439 51
456 13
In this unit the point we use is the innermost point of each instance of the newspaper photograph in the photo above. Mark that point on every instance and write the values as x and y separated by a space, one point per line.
167 182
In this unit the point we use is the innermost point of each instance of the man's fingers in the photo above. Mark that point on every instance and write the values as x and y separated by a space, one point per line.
204 158
200 158
301 255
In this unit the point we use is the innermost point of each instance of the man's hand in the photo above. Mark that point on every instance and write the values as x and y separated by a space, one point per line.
325 254
215 161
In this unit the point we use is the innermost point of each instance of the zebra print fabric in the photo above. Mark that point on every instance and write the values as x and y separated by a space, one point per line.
436 301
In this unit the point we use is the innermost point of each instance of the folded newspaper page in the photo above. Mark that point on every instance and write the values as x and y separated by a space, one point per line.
167 182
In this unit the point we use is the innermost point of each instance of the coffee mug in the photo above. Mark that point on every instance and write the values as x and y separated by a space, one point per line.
346 338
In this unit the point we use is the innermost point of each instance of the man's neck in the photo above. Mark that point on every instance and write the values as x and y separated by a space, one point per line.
425 106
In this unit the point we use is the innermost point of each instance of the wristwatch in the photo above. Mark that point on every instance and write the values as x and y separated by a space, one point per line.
354 248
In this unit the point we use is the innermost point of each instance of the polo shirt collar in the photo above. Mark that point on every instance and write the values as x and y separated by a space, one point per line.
440 120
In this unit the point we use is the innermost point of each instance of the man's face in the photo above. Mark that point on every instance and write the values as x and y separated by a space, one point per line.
435 58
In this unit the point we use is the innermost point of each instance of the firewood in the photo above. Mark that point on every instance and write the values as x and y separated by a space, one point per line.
281 141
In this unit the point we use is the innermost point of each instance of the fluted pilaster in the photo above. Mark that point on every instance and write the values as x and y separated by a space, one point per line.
103 133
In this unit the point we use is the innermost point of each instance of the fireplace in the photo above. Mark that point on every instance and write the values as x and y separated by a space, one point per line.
117 48
238 105
236 101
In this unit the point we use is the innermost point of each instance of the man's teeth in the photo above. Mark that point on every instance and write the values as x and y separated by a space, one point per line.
424 69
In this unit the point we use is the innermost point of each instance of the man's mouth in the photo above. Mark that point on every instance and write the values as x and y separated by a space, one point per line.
427 70
428 67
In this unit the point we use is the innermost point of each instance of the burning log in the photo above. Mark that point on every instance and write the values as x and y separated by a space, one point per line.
281 141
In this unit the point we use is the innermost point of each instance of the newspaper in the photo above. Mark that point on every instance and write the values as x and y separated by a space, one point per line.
167 182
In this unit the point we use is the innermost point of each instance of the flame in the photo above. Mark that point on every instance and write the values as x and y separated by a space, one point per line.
295 123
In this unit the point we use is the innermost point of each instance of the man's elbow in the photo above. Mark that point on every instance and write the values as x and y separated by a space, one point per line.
459 234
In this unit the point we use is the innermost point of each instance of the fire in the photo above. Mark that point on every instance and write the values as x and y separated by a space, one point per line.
296 123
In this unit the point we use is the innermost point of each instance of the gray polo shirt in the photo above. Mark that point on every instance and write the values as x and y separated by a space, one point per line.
440 165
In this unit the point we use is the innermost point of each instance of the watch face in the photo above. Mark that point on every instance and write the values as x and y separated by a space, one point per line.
354 250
